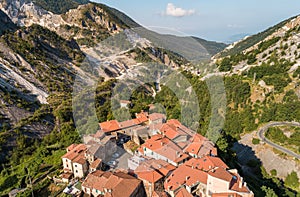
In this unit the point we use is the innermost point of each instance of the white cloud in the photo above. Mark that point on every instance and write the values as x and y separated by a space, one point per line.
172 10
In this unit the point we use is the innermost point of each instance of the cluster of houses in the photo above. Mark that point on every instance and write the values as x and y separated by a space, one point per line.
172 160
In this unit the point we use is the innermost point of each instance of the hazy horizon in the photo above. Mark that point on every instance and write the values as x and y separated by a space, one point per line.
222 21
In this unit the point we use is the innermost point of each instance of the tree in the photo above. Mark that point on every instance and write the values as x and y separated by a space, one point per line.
269 192
292 180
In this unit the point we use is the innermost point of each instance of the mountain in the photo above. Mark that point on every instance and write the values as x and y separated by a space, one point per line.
6 24
44 46
262 76
250 41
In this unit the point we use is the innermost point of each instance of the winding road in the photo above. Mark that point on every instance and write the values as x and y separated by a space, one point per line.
261 134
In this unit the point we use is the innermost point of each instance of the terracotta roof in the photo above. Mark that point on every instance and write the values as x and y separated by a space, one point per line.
165 147
185 175
151 176
169 131
66 175
96 163
201 146
180 127
120 183
127 123
71 147
182 192
80 159
222 174
160 166
198 138
225 195
76 153
141 117
110 126
206 163
159 194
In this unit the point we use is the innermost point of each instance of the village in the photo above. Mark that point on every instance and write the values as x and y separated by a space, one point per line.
148 156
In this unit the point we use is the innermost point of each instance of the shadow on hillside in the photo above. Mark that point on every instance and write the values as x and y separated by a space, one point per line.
250 167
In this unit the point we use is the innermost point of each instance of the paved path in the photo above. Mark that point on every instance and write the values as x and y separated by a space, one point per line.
261 134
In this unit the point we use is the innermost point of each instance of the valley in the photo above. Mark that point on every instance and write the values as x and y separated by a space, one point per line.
49 48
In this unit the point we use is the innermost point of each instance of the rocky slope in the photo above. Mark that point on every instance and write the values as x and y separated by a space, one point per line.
44 43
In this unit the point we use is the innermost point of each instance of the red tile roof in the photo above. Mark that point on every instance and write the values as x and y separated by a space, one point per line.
160 166
150 176
76 154
96 163
206 163
120 183
110 126
141 118
201 146
225 195
159 194
71 147
66 175
222 174
182 192
165 147
127 123
185 175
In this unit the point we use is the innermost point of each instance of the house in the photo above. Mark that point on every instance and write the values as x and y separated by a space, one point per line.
108 184
101 149
96 165
206 163
160 147
141 118
186 177
227 181
152 172
157 118
200 146
110 126
207 176
182 192
172 130
74 160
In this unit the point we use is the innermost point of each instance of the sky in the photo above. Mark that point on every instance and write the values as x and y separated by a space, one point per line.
217 20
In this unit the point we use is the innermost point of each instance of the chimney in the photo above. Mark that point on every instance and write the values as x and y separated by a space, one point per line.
241 182
187 178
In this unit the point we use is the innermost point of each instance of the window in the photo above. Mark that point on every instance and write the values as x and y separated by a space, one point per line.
76 171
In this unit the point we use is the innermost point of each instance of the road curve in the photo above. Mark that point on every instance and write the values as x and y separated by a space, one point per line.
261 134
